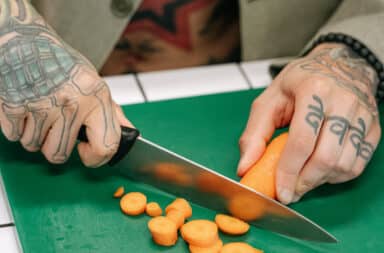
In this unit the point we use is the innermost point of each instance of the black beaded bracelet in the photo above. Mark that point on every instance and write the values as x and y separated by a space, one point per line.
361 50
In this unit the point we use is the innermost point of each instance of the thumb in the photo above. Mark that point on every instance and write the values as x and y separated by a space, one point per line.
265 116
121 118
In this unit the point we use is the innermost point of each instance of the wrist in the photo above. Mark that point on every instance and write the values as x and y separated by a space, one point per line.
359 50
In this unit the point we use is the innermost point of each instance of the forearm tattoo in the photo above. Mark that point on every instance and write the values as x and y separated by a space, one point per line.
39 74
347 70
340 126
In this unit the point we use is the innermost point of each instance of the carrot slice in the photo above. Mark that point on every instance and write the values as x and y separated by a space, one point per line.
231 225
182 205
262 174
153 209
119 192
215 248
133 203
176 216
201 233
239 247
173 173
163 230
242 206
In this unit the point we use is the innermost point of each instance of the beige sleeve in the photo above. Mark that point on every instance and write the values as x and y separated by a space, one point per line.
90 26
360 19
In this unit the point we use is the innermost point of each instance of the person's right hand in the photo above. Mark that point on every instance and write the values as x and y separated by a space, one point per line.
48 91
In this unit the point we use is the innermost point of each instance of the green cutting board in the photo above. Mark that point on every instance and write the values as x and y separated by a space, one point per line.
70 208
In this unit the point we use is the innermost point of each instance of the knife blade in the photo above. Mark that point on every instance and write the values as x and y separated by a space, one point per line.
149 163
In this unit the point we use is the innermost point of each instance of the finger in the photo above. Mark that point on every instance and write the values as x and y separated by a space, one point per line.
103 132
62 136
366 149
261 124
329 147
123 121
12 121
36 128
358 130
303 132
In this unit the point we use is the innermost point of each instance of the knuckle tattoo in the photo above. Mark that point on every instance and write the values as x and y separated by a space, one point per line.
339 126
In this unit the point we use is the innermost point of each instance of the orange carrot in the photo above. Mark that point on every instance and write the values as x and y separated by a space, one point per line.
153 209
133 203
174 173
231 225
239 247
262 174
242 206
119 192
163 230
215 248
176 216
182 205
201 233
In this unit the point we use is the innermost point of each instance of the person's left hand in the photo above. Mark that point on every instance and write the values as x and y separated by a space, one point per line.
328 98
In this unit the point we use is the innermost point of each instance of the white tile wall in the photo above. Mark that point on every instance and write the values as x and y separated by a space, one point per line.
257 73
8 240
124 89
162 85
5 213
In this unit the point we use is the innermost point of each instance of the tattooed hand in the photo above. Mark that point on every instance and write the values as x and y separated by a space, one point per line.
48 90
328 99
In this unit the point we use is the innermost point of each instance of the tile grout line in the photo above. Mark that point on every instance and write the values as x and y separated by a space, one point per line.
244 76
140 87
11 224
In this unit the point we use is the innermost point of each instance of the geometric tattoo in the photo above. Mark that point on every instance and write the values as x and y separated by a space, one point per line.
40 73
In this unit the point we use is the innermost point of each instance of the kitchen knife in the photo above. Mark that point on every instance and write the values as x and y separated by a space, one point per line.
144 161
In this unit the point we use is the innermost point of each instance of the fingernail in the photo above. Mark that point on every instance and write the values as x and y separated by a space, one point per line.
285 196
241 168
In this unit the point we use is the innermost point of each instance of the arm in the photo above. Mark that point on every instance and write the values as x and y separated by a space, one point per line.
48 90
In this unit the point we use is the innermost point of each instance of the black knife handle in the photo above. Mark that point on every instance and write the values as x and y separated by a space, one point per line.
128 138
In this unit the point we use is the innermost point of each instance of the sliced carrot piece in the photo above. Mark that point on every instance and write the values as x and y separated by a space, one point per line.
176 216
119 192
133 203
242 206
153 209
182 205
201 233
174 173
163 230
231 225
215 248
239 247
262 174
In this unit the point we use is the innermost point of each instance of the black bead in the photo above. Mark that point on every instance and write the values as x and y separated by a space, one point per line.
340 37
381 75
364 52
371 59
380 94
331 37
356 46
349 40
378 66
